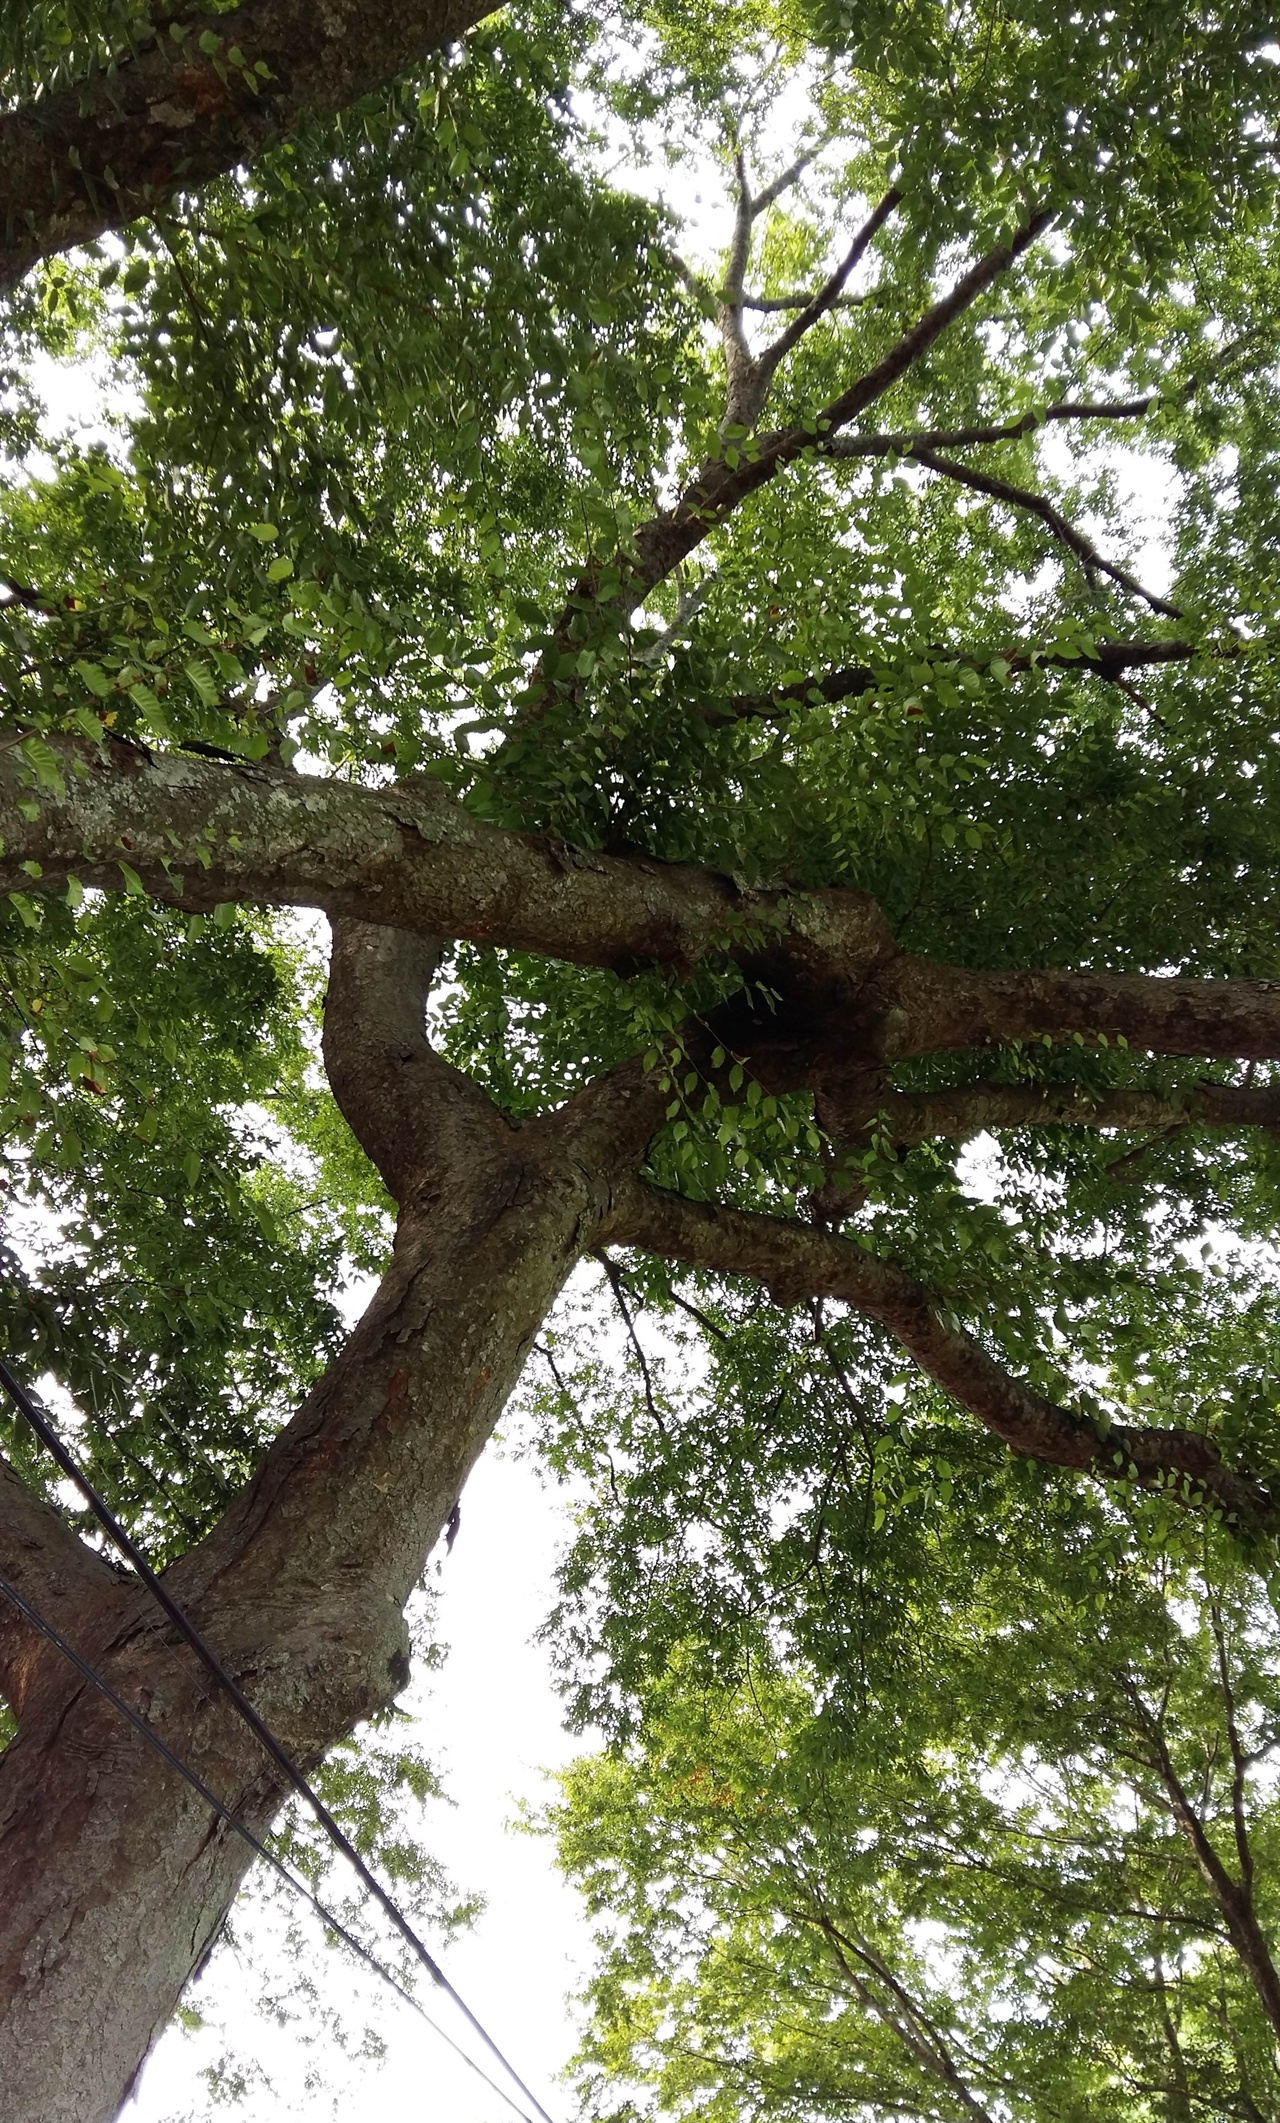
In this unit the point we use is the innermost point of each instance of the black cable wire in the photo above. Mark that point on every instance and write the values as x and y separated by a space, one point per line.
39 1421
233 1820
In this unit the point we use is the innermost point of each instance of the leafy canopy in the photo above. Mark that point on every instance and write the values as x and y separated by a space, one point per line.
386 418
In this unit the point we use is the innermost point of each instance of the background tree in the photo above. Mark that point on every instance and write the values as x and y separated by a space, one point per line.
723 723
1029 1876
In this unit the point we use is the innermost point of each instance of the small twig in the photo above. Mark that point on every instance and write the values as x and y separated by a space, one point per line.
616 1283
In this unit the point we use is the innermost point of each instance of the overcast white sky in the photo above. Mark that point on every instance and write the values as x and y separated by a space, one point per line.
491 1720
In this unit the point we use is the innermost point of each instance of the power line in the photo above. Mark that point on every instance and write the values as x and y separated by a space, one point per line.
233 1820
31 1409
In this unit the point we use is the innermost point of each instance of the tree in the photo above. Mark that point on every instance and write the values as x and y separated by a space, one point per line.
723 724
1039 1884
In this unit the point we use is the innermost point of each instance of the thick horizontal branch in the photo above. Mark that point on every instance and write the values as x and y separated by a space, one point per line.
929 1007
193 832
795 1261
907 1118
202 94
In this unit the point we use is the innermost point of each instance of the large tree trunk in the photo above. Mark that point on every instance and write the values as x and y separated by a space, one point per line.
113 1877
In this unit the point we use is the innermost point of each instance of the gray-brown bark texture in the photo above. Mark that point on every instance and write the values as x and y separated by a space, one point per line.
200 96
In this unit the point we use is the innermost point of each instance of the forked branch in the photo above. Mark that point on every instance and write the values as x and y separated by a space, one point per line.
750 376
726 480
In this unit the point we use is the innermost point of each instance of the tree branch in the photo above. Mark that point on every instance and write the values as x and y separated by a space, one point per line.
618 1286
795 1261
911 1117
750 375
1109 660
48 1563
951 1006
910 440
740 368
195 832
766 364
792 174
1235 1901
774 305
1239 1760
1093 562
397 1095
200 95
922 2035
722 485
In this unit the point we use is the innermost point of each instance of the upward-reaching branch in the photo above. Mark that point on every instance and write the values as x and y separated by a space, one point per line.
1233 1897
725 481
738 361
197 96
916 2029
830 292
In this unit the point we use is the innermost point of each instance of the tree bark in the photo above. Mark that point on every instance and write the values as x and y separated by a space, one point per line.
113 1878
179 109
